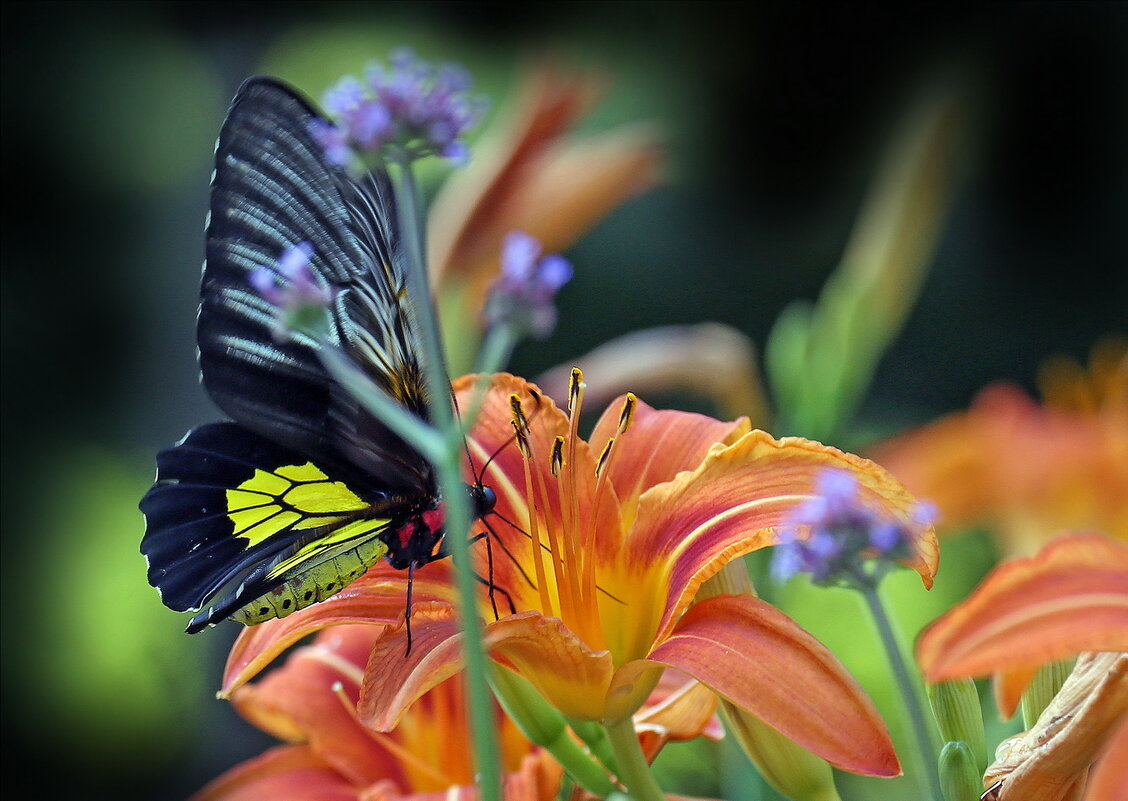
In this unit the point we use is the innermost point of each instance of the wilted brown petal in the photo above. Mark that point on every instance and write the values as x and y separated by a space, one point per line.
1053 758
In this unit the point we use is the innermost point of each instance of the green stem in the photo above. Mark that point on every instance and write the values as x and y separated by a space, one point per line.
595 738
418 287
634 770
545 726
496 349
926 749
456 499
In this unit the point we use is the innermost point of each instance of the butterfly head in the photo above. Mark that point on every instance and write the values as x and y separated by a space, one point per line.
482 498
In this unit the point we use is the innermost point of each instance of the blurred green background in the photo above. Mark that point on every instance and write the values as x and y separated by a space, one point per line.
776 116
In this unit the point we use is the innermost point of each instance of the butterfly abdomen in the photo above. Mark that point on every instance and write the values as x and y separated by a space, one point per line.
316 584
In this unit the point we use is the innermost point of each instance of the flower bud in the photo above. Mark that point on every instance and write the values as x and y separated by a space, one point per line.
788 767
960 780
955 704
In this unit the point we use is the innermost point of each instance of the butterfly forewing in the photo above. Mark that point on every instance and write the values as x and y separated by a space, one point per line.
272 190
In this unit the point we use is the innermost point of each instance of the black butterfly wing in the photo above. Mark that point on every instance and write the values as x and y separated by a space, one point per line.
303 492
274 189
254 530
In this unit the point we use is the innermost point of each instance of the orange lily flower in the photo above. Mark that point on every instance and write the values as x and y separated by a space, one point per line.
311 703
1029 471
1071 597
530 174
604 553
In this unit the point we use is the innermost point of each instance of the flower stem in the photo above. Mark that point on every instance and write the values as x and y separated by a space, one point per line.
634 770
447 468
926 749
545 726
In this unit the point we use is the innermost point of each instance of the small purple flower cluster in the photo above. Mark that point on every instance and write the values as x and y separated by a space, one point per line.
843 532
299 297
522 295
413 105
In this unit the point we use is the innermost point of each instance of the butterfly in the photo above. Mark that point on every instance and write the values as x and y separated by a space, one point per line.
303 490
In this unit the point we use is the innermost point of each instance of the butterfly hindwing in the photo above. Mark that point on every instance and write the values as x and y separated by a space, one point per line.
253 530
273 189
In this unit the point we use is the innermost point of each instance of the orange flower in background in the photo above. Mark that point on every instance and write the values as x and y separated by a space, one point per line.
1025 470
310 702
530 174
1071 597
1108 780
605 547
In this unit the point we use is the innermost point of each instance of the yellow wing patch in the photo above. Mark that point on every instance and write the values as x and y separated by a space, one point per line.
299 496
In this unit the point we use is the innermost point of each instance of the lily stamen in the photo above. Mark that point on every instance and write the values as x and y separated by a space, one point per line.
521 430
569 497
627 412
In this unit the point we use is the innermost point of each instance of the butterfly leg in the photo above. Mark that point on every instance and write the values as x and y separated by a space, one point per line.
407 611
488 582
490 568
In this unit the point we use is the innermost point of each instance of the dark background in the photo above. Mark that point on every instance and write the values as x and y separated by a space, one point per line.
776 117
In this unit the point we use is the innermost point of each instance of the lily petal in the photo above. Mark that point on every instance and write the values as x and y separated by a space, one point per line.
377 598
1109 780
533 180
568 674
755 656
1054 756
285 773
393 681
1008 686
689 528
674 441
1071 597
299 701
682 708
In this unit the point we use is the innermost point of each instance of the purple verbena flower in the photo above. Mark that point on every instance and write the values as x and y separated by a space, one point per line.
522 296
293 288
410 104
842 534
